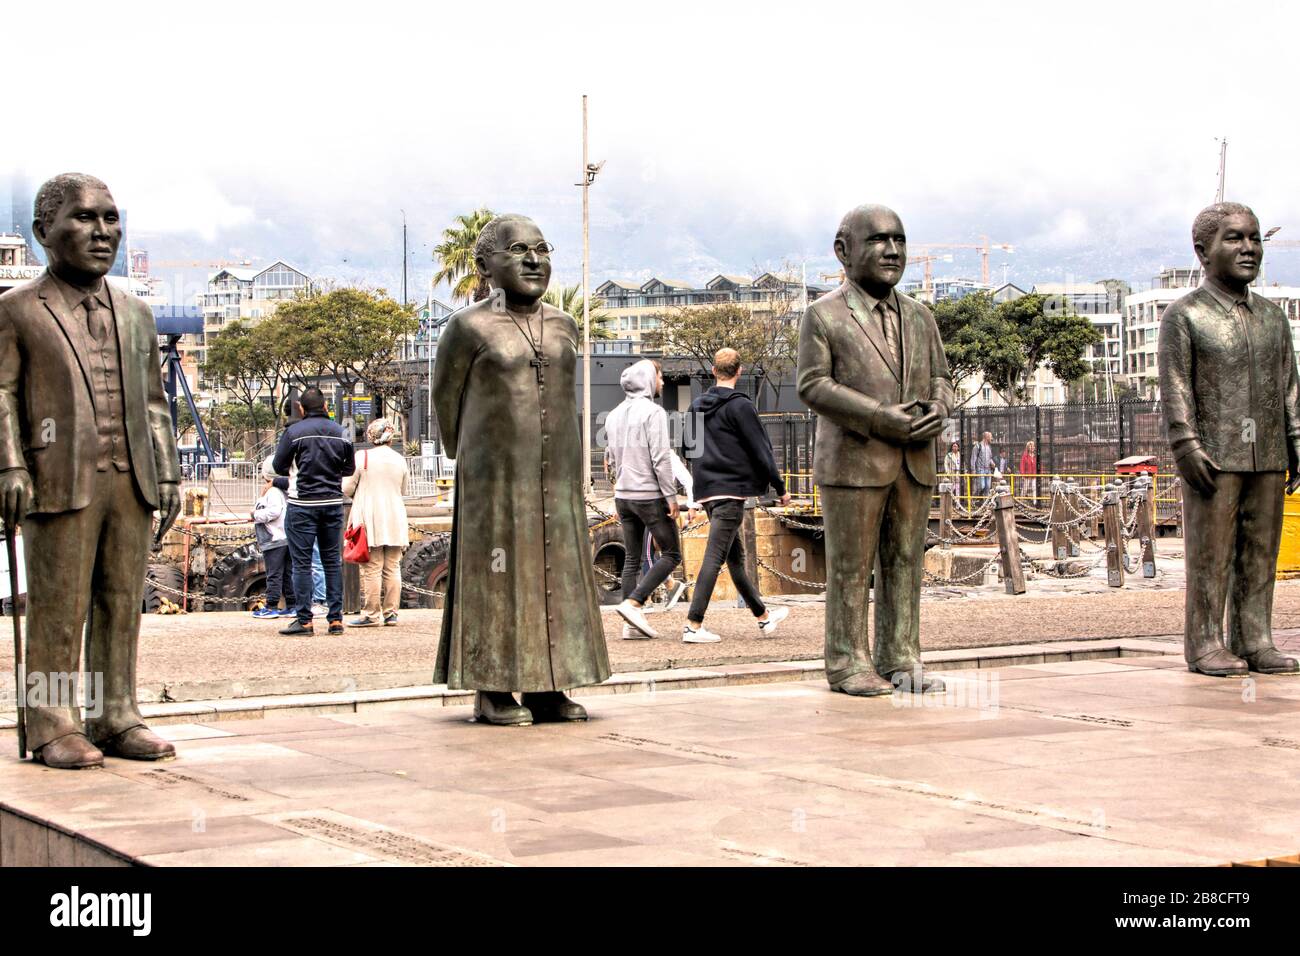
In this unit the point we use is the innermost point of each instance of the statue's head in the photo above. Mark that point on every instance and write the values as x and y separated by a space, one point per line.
1227 241
78 224
872 247
514 258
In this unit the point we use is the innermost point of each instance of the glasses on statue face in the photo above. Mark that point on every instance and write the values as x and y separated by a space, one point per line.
521 249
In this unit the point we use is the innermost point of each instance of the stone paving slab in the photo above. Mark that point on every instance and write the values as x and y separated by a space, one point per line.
1089 762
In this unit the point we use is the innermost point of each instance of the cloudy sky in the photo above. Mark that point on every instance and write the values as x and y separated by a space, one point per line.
734 135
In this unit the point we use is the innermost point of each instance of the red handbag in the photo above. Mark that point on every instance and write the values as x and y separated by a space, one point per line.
355 547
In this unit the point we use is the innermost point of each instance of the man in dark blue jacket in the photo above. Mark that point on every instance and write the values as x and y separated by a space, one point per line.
731 460
322 456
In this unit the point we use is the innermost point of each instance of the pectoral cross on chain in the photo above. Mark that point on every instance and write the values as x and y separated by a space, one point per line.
540 364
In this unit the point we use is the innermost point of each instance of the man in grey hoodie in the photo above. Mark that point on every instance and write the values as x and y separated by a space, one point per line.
638 454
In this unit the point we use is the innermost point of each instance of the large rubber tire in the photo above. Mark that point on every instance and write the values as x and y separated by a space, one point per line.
608 554
424 565
240 574
167 575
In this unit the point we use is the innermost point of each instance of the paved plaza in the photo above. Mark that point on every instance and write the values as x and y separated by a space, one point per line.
1121 761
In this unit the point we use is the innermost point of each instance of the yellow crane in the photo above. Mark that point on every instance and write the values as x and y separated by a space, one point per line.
984 246
923 259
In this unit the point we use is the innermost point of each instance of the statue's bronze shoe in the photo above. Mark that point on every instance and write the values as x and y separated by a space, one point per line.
138 743
500 708
1272 661
553 706
1219 663
864 684
916 681
69 752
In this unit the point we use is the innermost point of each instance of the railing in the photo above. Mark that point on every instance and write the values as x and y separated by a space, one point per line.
1030 490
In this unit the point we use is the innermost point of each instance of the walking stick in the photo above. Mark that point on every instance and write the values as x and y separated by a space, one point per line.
20 681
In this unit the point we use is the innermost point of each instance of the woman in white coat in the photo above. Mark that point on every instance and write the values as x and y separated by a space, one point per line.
376 489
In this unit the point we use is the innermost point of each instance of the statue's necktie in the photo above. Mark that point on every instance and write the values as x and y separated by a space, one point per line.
891 331
95 323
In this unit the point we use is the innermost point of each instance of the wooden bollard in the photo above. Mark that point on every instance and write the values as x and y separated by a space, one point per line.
1060 539
945 515
1178 503
1075 531
1114 537
1146 523
1004 515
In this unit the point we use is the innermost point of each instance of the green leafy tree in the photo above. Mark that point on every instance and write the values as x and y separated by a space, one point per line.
240 360
1006 344
455 256
768 343
568 299
351 335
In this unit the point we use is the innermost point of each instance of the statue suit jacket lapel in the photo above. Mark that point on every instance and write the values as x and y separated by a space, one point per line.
75 332
871 328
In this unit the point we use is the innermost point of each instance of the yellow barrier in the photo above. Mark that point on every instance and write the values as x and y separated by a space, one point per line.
1288 555
1035 490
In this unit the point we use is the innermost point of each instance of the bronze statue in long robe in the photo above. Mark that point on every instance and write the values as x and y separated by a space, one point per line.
521 609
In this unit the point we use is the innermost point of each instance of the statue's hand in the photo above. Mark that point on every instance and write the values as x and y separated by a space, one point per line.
894 423
1197 469
16 496
929 425
169 506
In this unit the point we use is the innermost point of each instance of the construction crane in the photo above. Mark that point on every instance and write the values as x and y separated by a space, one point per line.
927 283
984 246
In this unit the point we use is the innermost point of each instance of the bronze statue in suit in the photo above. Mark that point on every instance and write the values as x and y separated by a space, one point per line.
1231 401
872 366
86 456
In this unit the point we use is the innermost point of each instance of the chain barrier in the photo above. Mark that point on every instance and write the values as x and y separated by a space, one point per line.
979 533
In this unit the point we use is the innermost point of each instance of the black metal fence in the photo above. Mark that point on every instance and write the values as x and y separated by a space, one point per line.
1073 439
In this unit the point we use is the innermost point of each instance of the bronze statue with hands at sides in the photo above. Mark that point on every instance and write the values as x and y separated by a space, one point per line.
872 366
521 609
87 455
1231 401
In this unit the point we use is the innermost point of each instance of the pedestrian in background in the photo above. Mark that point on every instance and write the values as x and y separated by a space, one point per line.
268 525
733 461
1029 469
639 455
981 463
952 460
323 456
376 489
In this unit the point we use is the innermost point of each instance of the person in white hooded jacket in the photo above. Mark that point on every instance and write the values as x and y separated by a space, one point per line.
638 454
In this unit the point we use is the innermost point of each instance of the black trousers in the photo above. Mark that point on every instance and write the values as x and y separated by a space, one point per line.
725 544
638 517
279 577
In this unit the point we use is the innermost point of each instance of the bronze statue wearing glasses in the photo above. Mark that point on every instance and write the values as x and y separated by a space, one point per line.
521 610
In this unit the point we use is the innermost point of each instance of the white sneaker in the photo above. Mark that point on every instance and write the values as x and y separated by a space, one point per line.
636 617
701 636
675 592
774 617
319 610
632 634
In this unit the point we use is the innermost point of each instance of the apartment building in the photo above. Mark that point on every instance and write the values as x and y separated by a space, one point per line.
1144 310
637 307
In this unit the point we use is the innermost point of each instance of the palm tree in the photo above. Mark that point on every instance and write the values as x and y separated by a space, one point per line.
456 256
568 298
